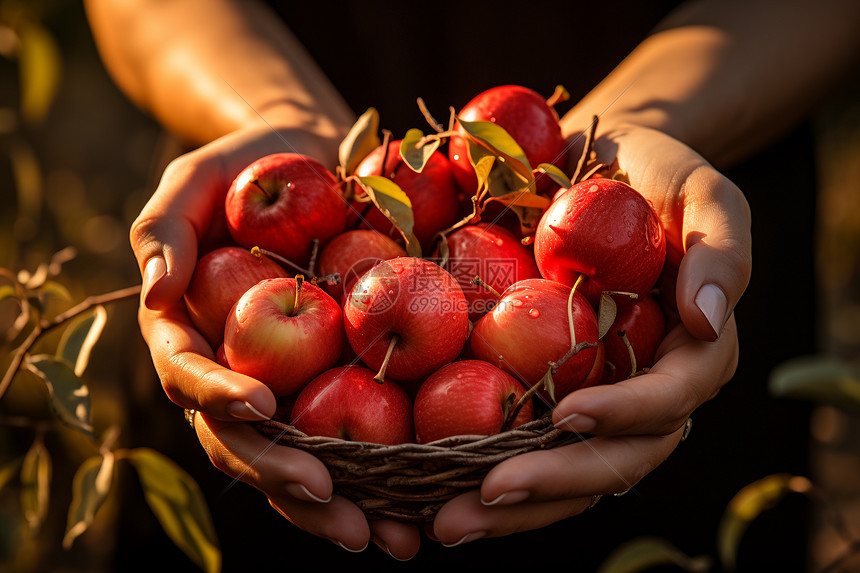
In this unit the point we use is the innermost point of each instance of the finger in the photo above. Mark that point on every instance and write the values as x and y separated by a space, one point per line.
340 521
165 235
190 376
687 373
400 540
465 519
596 466
247 455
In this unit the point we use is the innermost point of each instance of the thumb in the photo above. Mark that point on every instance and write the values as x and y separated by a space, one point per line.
715 269
186 206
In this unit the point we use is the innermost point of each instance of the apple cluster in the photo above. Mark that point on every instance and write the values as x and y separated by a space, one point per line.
410 294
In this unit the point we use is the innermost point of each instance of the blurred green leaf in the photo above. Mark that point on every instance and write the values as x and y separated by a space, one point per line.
90 488
819 379
179 506
417 157
70 397
7 292
78 339
746 506
643 553
28 187
35 484
393 202
362 138
9 471
40 67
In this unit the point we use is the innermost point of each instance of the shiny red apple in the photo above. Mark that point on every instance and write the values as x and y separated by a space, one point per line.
283 335
468 397
406 317
282 202
345 402
529 329
608 232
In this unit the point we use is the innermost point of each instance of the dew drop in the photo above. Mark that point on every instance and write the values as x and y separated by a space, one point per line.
594 188
609 238
517 302
456 157
534 313
391 292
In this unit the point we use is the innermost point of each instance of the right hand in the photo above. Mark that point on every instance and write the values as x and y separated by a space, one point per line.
186 213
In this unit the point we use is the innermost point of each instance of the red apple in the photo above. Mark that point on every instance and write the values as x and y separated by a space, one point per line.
644 326
406 317
282 202
281 337
435 197
527 118
468 397
608 232
220 278
351 254
346 403
495 255
529 328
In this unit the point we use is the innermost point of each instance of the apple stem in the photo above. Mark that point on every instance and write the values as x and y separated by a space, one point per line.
430 119
380 376
570 325
558 96
632 295
480 282
300 279
259 252
623 335
268 195
315 245
513 412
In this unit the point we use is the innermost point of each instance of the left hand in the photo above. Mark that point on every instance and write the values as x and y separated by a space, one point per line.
638 422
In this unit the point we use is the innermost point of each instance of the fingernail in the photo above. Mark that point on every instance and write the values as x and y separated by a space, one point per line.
299 491
154 270
576 423
352 550
711 300
245 411
384 546
509 498
474 536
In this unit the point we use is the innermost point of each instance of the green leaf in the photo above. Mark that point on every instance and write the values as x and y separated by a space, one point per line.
643 553
7 292
79 339
557 175
393 202
54 289
70 397
179 505
362 138
90 488
523 199
35 484
40 68
417 157
495 139
819 379
748 504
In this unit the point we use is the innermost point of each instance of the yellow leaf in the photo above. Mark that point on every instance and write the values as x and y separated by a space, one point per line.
40 67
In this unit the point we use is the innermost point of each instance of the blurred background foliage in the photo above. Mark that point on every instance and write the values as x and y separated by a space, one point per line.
77 163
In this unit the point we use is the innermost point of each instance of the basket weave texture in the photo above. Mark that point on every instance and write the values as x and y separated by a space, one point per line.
410 482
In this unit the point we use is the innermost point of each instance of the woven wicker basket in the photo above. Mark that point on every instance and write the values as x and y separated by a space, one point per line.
410 482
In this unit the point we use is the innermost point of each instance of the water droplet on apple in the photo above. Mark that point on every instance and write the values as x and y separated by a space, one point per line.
609 238
391 292
594 188
456 157
517 302
534 313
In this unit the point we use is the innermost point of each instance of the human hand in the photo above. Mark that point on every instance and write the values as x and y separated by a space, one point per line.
184 215
638 422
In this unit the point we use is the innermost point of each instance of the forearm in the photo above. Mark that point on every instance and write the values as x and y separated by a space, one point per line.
205 68
728 77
